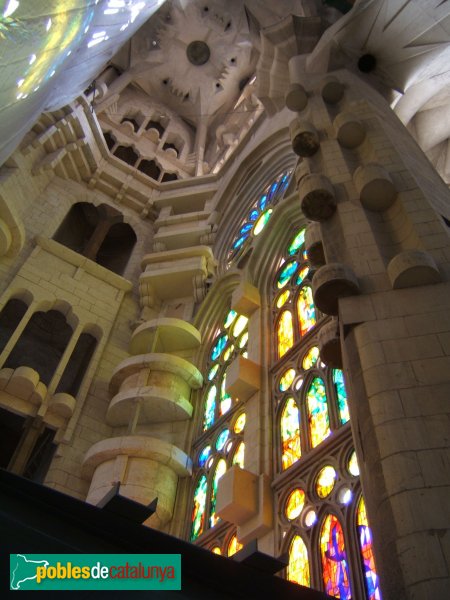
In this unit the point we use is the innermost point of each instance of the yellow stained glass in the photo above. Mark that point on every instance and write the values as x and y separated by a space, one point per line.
216 550
234 546
285 333
227 353
290 434
306 310
311 358
240 423
240 325
325 481
298 568
286 379
243 340
295 503
353 467
229 318
238 458
283 298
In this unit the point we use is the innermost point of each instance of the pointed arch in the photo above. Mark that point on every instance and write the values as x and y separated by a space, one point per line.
290 434
371 580
318 417
199 508
298 567
220 469
285 333
335 570
306 311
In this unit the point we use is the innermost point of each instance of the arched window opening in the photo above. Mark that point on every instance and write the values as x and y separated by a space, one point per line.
335 571
109 139
298 568
172 148
10 316
155 125
128 154
78 363
285 333
319 422
98 233
41 344
371 580
150 168
133 122
290 434
199 509
169 177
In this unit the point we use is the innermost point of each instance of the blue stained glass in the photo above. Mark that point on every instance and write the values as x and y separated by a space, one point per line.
273 188
210 408
338 380
247 227
253 215
218 347
238 243
221 440
204 455
287 273
263 202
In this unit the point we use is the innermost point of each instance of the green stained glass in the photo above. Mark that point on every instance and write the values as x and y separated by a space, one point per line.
298 241
286 273
212 372
319 422
306 310
219 346
204 455
286 380
311 357
199 508
262 221
301 275
210 408
221 440
225 399
290 434
220 470
229 318
298 568
238 458
341 393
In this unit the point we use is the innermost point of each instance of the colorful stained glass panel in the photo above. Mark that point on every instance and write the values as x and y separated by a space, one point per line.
353 467
233 546
210 408
341 393
301 275
365 540
295 504
198 511
283 298
204 455
232 314
335 570
212 373
240 423
311 357
238 458
319 422
286 273
297 242
286 380
285 333
325 481
306 310
262 221
290 434
298 568
220 470
240 325
216 550
221 440
218 347
225 399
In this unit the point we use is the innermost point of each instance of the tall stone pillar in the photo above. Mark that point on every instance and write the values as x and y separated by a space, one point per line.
377 203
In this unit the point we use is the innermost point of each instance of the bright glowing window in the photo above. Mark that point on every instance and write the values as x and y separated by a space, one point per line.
259 214
335 570
290 434
368 561
298 568
319 422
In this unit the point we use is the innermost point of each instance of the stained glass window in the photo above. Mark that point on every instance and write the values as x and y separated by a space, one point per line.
210 407
198 512
287 379
325 481
338 380
298 568
335 570
311 357
259 214
319 423
238 458
295 503
368 561
240 423
204 455
306 310
220 470
290 434
233 546
353 467
285 333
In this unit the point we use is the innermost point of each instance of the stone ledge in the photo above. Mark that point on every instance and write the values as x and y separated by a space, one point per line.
166 334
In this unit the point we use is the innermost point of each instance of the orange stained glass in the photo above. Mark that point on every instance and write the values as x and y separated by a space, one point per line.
298 568
365 541
325 481
306 310
216 550
319 422
335 570
285 333
233 546
295 503
290 434
240 423
311 357
238 458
